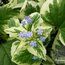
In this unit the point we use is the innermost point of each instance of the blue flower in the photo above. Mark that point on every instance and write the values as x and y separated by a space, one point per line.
40 31
33 43
21 34
25 34
42 38
29 34
27 20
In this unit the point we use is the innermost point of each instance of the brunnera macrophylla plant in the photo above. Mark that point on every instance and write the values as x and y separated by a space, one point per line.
37 38
30 35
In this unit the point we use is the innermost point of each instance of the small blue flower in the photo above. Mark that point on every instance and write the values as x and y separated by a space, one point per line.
28 19
21 34
33 43
29 34
40 31
25 34
42 38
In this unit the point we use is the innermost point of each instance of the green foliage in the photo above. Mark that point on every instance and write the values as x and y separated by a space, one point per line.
48 61
22 45
55 12
31 7
6 12
5 57
54 15
20 54
47 15
28 8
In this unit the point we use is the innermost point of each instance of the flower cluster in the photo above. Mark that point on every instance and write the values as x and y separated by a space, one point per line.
40 33
29 34
33 43
26 21
25 34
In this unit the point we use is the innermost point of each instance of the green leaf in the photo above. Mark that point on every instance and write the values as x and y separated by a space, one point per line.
22 11
62 34
45 6
20 4
13 22
58 52
6 13
48 61
53 12
31 7
38 51
28 8
13 28
14 3
35 19
14 31
5 57
21 56
20 1
38 22
41 2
